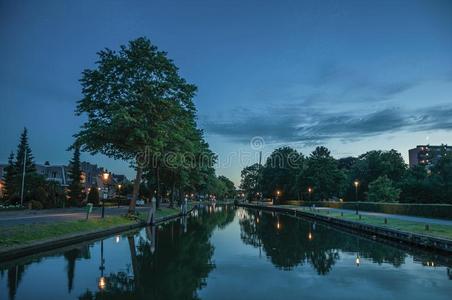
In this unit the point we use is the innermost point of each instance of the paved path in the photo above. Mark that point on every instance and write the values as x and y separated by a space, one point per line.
391 216
9 218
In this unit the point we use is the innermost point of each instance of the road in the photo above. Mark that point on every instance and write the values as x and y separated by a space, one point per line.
9 218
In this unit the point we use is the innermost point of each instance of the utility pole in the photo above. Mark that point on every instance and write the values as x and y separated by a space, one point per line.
23 180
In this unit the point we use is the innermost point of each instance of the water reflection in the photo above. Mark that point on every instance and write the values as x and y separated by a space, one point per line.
178 260
294 242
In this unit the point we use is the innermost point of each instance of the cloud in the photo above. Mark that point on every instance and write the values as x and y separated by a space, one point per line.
309 126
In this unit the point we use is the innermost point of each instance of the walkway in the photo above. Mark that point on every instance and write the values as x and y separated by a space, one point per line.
8 218
389 216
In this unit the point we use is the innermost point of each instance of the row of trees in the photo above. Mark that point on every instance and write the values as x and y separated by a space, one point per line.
373 176
139 109
23 184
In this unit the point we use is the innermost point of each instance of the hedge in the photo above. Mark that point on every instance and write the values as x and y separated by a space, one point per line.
442 211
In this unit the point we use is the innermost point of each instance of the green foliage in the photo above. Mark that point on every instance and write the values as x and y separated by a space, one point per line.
372 165
35 204
138 107
280 173
75 188
323 175
251 178
10 178
383 190
22 149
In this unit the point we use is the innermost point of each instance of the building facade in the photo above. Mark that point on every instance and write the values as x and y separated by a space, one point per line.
427 155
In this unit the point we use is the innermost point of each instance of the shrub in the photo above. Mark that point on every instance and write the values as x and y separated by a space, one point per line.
36 204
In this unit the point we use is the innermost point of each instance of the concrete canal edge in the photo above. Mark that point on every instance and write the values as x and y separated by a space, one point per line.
63 241
418 240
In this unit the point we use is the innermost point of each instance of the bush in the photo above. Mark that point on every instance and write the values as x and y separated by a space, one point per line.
36 204
383 190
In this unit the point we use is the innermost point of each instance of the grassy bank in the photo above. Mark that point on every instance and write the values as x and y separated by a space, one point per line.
435 230
25 234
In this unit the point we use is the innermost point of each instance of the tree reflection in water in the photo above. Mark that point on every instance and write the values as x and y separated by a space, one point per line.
289 242
171 262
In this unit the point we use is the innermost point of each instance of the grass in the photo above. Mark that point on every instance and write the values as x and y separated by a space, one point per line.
25 234
435 230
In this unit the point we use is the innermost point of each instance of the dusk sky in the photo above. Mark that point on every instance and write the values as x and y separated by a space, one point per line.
351 75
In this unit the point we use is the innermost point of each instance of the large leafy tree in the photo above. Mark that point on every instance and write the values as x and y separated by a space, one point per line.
132 99
323 174
250 180
75 188
383 190
280 172
374 164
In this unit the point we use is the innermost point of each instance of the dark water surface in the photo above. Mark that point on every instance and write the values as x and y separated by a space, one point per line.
227 253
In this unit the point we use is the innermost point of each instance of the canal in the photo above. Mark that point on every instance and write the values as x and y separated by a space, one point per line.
227 253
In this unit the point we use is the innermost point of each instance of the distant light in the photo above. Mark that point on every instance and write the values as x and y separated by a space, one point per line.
105 176
357 260
356 183
102 283
278 226
257 220
117 239
310 236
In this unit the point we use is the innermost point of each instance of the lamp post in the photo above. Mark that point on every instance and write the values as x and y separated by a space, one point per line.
278 192
102 281
356 183
119 193
310 193
105 177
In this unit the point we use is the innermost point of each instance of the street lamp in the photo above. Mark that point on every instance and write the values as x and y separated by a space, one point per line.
102 281
356 183
278 192
105 177
310 193
119 193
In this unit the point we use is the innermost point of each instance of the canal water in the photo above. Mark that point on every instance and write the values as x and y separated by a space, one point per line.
227 253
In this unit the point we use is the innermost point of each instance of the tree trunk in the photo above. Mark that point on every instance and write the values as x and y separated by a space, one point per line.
133 258
173 194
136 190
158 187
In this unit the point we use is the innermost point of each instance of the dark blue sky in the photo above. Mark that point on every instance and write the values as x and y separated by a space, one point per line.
351 75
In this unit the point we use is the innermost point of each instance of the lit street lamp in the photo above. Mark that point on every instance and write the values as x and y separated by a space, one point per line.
310 193
102 281
105 177
119 193
356 183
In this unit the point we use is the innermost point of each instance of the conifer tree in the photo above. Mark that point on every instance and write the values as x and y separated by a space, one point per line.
75 188
10 178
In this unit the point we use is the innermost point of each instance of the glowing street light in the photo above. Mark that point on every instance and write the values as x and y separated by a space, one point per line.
310 193
356 183
105 177
102 283
119 192
310 236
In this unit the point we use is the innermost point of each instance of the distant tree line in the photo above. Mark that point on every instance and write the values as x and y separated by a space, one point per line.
377 176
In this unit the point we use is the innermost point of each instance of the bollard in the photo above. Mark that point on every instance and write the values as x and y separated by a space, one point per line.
386 221
89 209
427 227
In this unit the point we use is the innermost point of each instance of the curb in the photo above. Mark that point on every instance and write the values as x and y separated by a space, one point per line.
22 251
419 240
